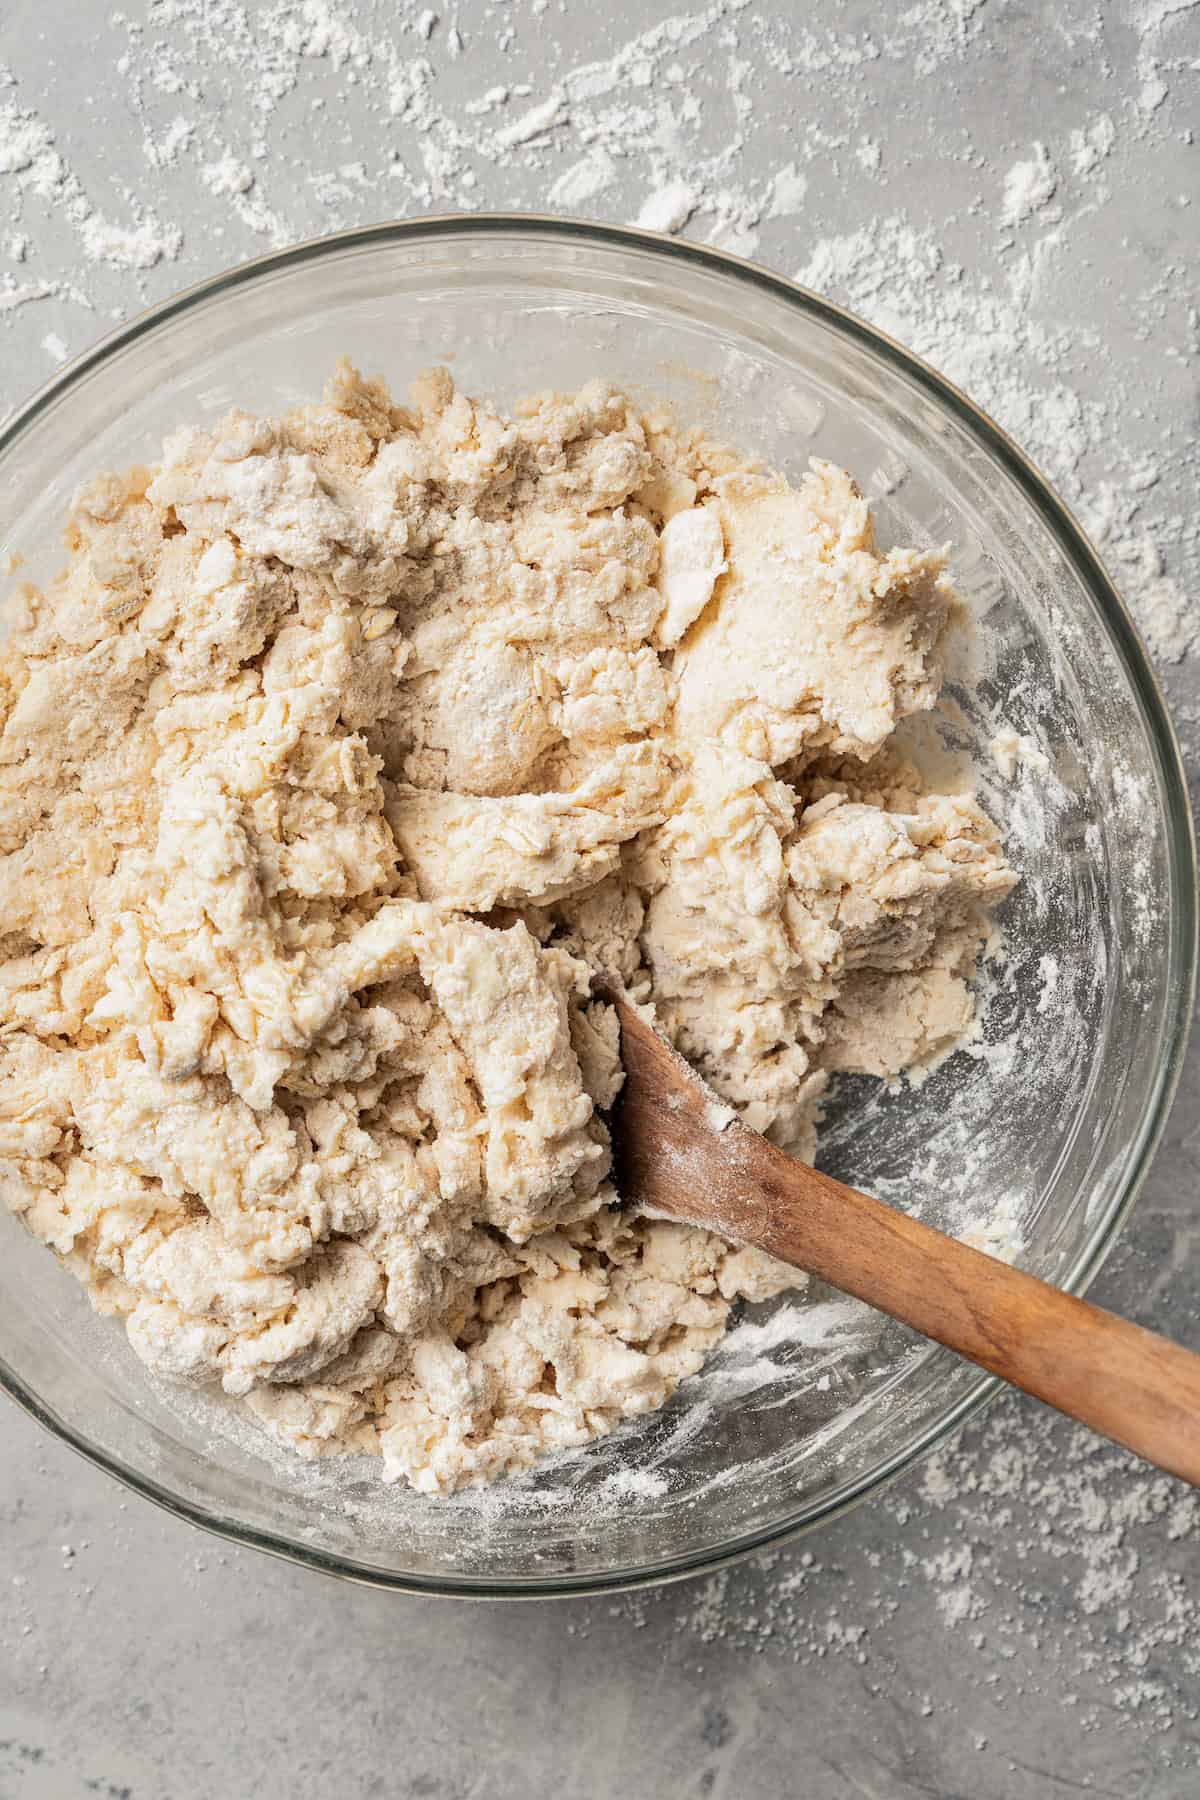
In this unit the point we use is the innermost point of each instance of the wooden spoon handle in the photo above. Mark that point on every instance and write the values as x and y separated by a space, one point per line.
1128 1383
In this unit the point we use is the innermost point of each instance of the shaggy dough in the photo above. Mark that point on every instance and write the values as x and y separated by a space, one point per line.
344 749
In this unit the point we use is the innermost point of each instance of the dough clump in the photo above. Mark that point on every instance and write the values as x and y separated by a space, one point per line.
342 752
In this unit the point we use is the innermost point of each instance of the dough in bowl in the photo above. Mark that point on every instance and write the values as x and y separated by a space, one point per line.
342 752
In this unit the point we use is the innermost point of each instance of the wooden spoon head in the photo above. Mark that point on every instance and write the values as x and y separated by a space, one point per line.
675 1142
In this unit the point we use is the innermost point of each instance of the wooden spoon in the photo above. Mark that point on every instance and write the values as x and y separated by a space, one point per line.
682 1154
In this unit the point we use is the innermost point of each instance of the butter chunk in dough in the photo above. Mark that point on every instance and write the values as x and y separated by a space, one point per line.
344 751
815 640
691 557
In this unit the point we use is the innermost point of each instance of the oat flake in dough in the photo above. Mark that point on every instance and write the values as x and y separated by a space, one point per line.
343 750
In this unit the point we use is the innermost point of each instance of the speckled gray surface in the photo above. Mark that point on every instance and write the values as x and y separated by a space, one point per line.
1011 192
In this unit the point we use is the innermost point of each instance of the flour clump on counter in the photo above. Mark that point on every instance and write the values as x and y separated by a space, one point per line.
345 749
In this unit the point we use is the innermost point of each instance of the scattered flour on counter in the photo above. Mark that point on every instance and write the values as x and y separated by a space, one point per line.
1106 1546
227 176
1090 144
669 208
14 294
1029 186
139 246
583 182
164 152
789 187
30 155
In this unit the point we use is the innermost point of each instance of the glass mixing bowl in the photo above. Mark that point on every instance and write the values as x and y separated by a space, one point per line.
1035 1138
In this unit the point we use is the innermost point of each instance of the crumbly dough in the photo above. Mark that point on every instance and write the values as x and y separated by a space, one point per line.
342 752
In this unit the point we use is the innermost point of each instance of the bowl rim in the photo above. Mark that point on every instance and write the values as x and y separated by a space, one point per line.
1072 542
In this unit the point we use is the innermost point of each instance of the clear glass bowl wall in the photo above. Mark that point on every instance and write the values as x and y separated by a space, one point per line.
1050 1126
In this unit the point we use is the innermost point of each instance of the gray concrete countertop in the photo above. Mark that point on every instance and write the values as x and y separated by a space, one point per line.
1013 190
